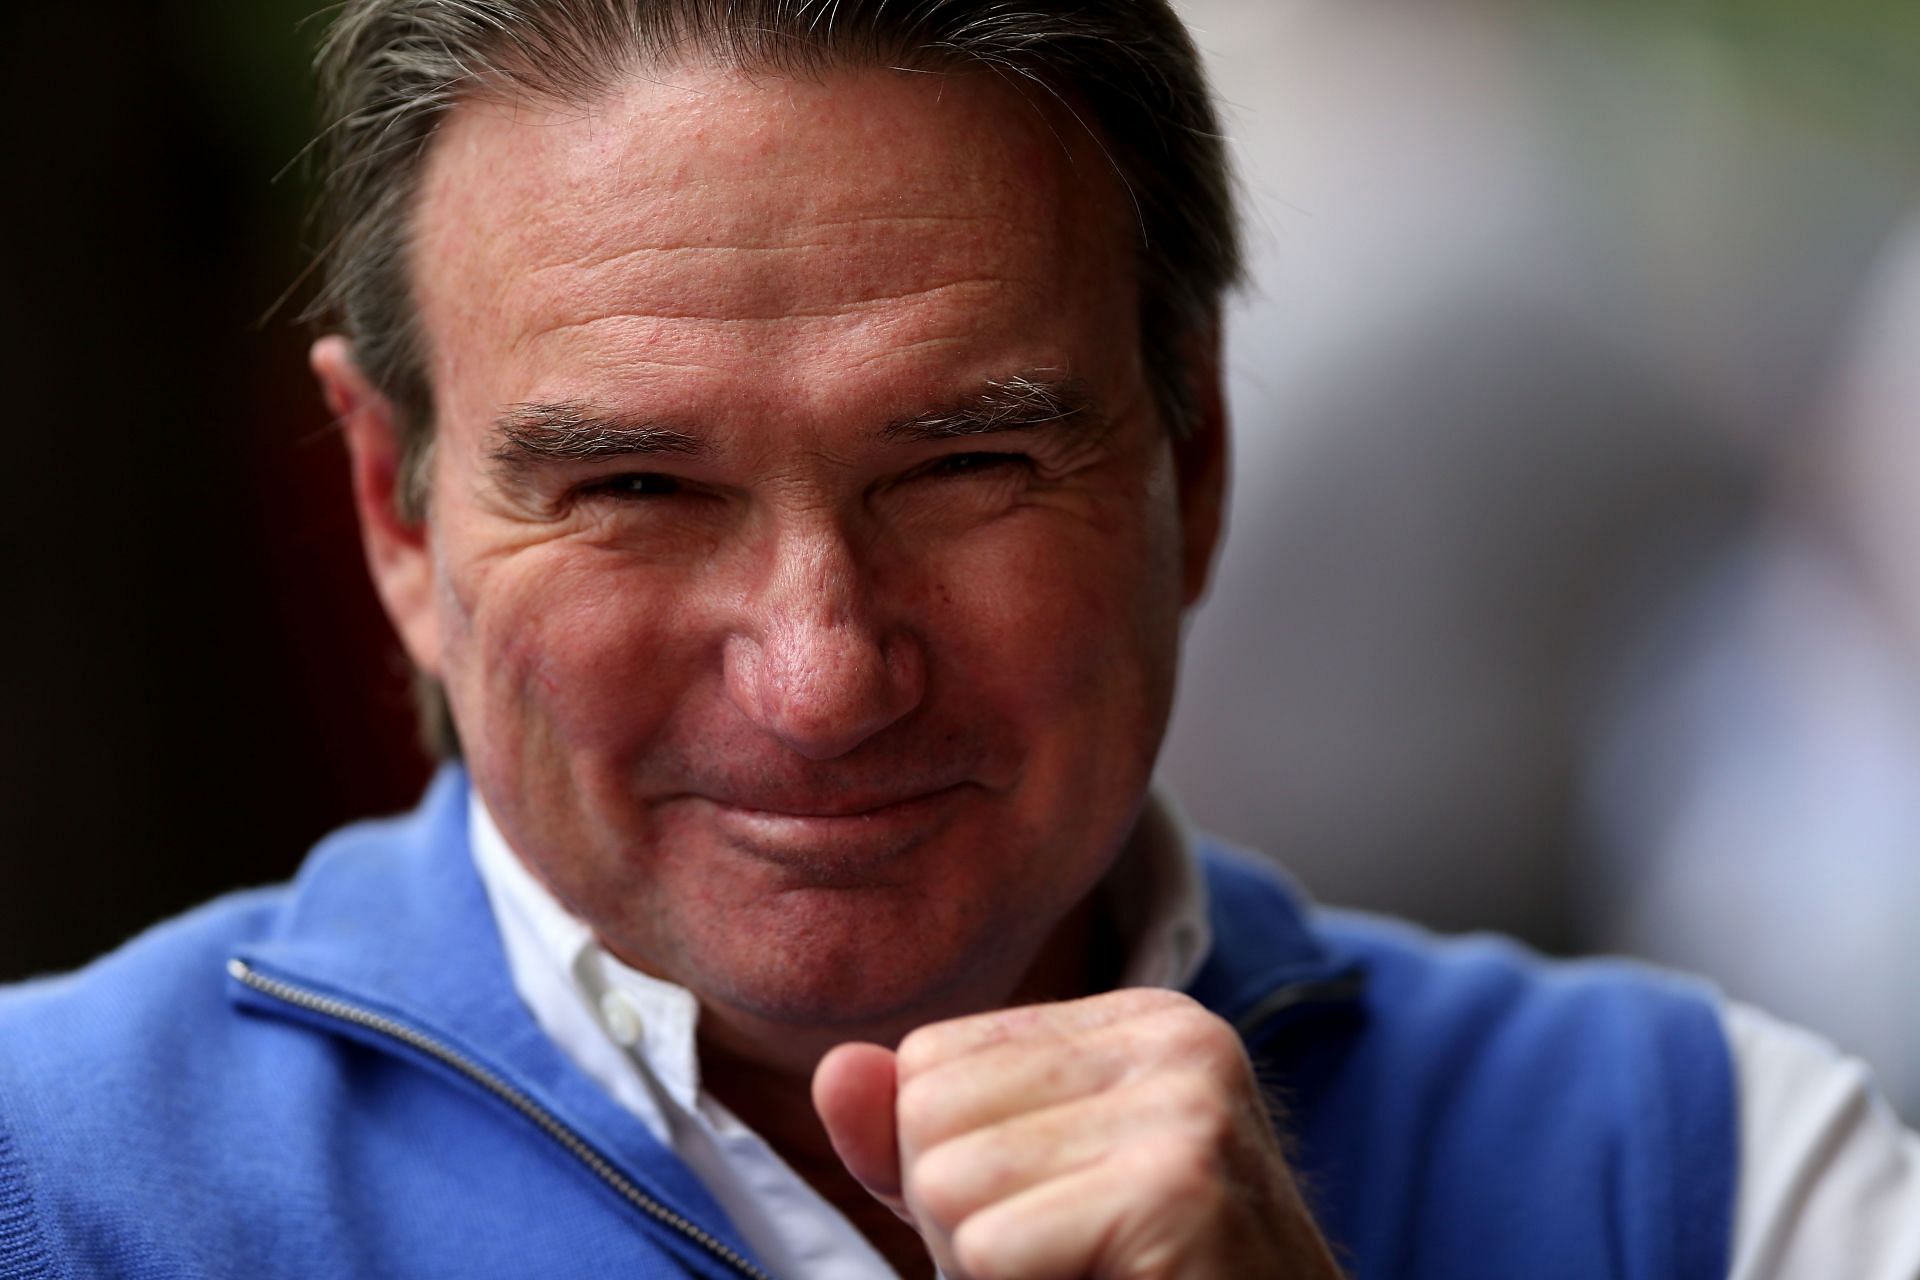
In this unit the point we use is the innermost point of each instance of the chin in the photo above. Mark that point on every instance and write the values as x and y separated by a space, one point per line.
859 968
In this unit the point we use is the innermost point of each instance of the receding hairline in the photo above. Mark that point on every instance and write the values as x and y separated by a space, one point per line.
522 75
395 74
1069 123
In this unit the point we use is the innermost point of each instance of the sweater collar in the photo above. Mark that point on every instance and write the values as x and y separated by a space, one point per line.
389 918
393 914
1270 965
390 912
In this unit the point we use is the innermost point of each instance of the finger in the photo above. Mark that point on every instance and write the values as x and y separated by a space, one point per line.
1006 1080
1142 1212
943 1042
853 1092
1062 1229
965 1175
1005 1083
1057 1061
1145 1212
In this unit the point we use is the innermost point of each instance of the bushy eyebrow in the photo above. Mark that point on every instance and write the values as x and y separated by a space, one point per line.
527 435
1008 404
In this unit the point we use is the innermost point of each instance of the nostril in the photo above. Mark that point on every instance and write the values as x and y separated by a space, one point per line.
824 690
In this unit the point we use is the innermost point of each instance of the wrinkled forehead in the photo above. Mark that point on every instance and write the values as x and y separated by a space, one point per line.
909 178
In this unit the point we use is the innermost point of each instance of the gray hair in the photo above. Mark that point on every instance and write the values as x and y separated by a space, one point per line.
390 70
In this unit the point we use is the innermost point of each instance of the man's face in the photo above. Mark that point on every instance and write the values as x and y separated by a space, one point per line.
806 554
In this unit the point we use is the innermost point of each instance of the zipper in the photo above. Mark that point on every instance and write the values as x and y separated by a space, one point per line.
1339 988
573 1143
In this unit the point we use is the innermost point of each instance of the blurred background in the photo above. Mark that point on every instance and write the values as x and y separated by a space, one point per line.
1573 586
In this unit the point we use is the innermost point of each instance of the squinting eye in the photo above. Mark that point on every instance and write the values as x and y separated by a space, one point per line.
959 464
639 484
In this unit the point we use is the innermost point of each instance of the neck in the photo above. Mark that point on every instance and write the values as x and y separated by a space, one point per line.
766 1080
778 1106
1074 961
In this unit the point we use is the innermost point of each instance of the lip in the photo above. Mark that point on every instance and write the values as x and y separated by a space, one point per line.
841 831
828 807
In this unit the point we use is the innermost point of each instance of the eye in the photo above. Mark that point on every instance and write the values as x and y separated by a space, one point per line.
964 464
637 484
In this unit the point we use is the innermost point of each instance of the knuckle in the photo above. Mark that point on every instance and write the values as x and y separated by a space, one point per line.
942 1186
1185 1173
1193 1034
1190 1095
921 1050
980 1247
1199 1107
920 1111
1146 1001
938 1043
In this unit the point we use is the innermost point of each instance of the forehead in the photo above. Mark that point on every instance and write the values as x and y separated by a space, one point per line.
703 217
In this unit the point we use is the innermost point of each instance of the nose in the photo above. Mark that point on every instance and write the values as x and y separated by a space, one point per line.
812 663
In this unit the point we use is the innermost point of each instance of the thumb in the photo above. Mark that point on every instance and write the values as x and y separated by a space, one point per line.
853 1090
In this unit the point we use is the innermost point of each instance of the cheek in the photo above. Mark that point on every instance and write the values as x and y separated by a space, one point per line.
1069 629
557 656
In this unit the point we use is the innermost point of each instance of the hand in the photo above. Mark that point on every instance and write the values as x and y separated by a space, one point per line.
1120 1137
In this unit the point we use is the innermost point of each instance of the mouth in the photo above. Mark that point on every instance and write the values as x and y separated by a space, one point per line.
834 806
843 832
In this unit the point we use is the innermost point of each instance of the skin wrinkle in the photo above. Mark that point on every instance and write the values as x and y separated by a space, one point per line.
590 263
779 312
906 350
654 324
1059 444
793 315
530 435
660 363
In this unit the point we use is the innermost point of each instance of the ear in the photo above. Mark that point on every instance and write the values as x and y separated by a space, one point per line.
399 552
1201 459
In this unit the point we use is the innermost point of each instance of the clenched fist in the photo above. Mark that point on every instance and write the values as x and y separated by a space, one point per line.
1120 1137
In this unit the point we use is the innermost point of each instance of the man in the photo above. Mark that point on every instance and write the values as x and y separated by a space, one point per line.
787 436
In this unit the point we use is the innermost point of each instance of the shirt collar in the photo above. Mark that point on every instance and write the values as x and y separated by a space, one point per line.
1159 898
561 971
1156 890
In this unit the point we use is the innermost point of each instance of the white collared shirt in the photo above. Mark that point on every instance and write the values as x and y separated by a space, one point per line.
635 1034
1829 1179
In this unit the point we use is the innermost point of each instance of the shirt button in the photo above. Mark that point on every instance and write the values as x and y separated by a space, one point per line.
623 1024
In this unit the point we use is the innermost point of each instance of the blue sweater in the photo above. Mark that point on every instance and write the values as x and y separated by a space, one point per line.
336 1078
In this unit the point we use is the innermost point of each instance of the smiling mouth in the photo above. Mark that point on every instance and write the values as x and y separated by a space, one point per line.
834 808
838 835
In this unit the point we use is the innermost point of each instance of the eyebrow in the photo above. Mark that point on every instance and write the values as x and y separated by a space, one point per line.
527 435
1009 404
